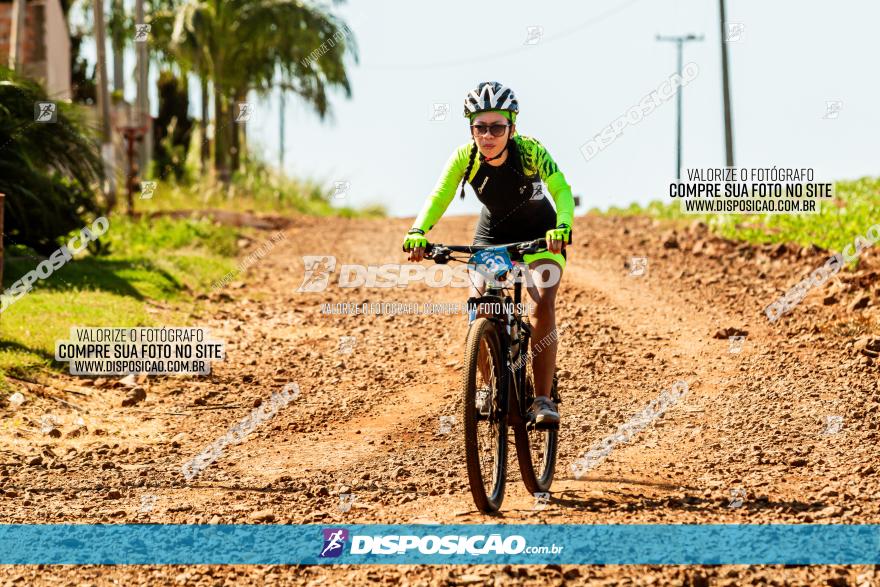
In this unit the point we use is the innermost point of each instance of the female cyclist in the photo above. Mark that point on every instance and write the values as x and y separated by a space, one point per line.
507 179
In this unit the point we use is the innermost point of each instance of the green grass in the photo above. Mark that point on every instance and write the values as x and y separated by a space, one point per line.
163 260
143 237
259 189
855 208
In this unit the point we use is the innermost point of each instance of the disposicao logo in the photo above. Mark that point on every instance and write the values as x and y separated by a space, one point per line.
334 542
445 545
452 544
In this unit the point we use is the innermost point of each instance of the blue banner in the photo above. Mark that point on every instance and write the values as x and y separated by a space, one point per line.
672 544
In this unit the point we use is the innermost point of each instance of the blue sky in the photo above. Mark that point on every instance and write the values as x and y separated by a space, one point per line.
594 61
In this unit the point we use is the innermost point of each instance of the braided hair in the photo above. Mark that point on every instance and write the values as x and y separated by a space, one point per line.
470 166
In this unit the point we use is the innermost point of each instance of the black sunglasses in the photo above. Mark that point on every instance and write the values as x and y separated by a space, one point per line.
496 129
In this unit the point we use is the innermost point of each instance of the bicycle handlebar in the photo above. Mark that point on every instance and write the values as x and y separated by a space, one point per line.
522 248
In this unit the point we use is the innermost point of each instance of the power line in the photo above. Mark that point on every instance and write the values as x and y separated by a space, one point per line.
497 55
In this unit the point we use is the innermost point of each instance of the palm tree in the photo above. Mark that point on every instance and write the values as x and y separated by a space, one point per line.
252 45
118 27
47 171
16 45
185 51
143 94
104 103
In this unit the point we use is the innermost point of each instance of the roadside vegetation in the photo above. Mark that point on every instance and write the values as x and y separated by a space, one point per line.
854 208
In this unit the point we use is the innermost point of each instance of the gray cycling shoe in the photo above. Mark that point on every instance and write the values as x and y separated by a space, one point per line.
544 410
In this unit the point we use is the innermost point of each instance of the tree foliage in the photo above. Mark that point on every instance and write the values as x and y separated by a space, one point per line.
173 126
48 171
256 45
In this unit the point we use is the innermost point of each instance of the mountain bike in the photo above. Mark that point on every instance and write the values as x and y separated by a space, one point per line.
497 381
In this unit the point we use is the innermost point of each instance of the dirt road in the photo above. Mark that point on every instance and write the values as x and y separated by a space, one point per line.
779 426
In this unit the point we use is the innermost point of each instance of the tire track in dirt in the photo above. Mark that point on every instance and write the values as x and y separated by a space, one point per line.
367 423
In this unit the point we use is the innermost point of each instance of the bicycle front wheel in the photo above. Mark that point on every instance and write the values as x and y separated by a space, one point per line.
485 415
536 447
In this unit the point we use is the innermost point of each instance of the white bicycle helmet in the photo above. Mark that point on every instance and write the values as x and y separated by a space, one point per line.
490 96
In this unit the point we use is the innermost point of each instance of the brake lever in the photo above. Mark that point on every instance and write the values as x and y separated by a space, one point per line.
528 248
440 255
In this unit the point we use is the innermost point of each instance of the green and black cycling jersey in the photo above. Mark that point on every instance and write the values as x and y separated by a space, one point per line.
515 207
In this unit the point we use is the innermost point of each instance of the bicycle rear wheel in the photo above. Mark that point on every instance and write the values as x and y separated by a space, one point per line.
536 447
485 416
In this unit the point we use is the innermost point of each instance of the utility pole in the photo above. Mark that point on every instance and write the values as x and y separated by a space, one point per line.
117 41
679 42
205 149
143 96
104 105
725 89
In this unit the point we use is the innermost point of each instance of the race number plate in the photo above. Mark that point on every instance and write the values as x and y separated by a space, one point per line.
493 264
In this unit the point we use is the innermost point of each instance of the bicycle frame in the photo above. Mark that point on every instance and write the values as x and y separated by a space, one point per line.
506 318
515 368
497 318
